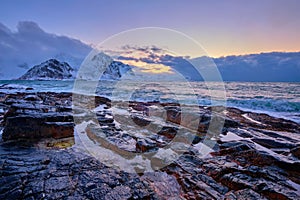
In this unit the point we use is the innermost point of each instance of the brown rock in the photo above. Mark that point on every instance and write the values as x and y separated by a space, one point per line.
296 151
140 121
169 132
36 127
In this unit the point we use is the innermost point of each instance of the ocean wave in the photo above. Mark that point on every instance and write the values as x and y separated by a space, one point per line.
266 105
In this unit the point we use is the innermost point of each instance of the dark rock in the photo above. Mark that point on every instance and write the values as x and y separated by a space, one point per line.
97 191
245 194
119 192
296 151
67 174
173 114
57 129
57 184
102 100
64 109
237 181
104 120
31 97
27 120
140 107
273 143
169 132
163 184
35 127
140 121
235 147
230 123
143 145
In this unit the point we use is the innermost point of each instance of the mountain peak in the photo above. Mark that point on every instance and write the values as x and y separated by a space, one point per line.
53 69
49 70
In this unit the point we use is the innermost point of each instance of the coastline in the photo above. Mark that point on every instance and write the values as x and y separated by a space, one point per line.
255 156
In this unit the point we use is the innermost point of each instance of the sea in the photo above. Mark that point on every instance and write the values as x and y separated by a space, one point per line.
278 99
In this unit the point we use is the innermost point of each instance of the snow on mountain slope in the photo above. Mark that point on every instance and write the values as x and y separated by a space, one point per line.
49 70
55 70
115 71
99 64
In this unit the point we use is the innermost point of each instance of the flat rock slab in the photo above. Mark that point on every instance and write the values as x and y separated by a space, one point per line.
37 116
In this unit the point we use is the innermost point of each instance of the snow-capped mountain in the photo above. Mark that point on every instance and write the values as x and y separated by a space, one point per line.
49 70
55 70
115 71
99 65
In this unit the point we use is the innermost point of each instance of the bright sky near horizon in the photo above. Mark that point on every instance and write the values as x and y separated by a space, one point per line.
221 27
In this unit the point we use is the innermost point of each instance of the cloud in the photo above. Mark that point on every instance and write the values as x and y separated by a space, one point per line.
148 60
31 45
182 66
274 66
144 49
24 66
156 60
128 58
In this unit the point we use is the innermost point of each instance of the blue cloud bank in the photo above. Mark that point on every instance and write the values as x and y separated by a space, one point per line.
30 45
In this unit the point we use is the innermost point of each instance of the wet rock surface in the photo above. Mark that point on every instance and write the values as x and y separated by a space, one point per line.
255 156
35 116
30 173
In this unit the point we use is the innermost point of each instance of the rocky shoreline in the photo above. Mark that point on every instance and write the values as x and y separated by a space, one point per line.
255 156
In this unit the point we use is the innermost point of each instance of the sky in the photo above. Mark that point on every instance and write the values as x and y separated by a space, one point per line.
231 27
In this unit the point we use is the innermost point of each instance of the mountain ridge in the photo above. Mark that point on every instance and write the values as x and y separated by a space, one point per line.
53 69
49 70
